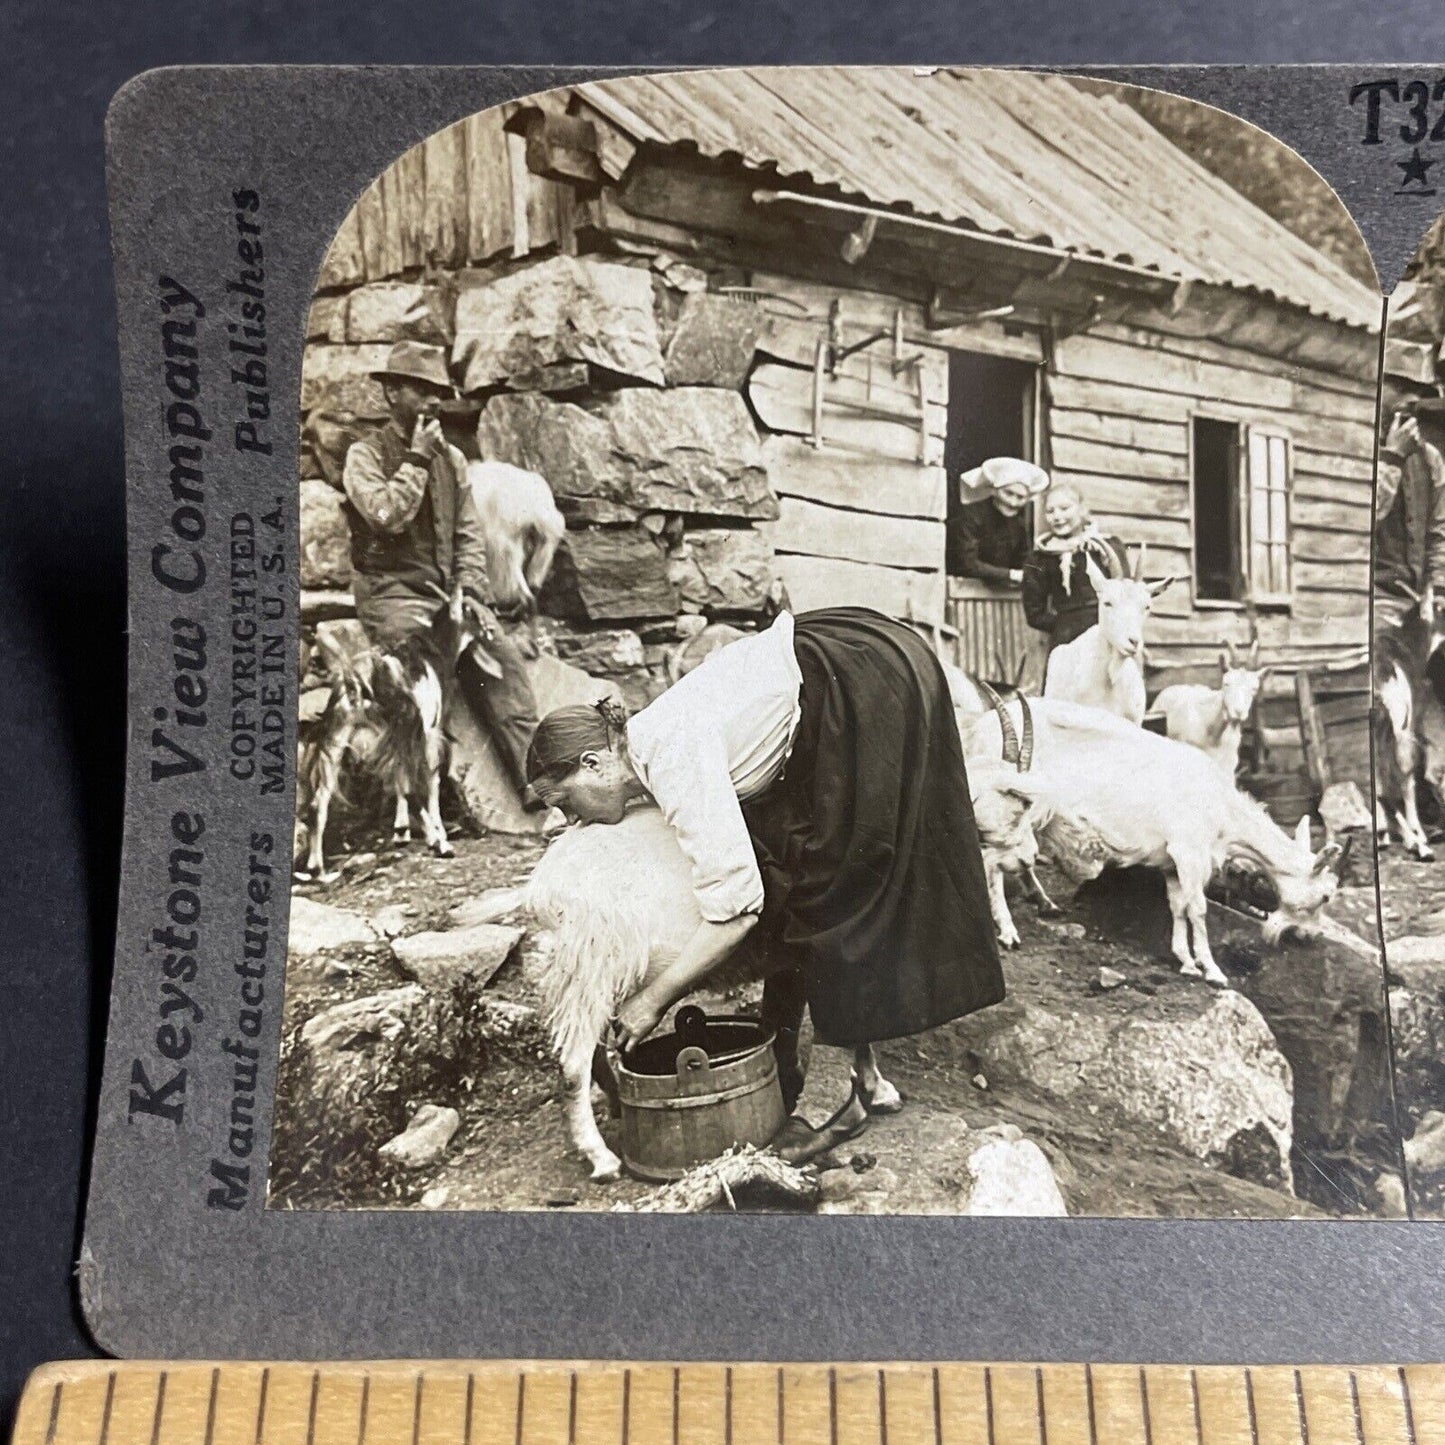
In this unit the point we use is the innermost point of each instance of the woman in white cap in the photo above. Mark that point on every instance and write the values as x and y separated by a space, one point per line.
1058 597
989 537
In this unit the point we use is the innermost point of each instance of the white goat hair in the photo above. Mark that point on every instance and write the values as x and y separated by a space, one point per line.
1212 719
522 527
1104 666
1162 804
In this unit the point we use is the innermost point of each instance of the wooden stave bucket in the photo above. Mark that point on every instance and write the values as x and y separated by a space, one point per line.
672 1122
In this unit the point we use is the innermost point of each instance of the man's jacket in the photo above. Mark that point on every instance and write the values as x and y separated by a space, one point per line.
1410 522
414 525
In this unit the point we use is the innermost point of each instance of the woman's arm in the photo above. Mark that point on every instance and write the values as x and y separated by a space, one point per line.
709 945
1037 611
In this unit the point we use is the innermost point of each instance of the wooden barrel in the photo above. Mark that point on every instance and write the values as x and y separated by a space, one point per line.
692 1095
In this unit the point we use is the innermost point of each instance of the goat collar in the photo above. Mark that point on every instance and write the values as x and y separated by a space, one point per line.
1021 756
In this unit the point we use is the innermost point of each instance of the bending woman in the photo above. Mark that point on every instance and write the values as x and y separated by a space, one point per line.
814 777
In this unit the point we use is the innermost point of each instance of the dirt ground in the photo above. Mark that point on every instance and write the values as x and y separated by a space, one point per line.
512 1151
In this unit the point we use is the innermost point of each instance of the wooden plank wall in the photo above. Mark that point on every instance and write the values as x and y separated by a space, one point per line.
1117 421
462 197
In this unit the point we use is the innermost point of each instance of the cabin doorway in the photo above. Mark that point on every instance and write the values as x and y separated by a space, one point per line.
992 412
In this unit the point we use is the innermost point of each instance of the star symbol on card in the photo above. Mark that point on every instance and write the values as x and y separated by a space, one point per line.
1416 169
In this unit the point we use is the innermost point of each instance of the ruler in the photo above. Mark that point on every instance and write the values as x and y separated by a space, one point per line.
549 1403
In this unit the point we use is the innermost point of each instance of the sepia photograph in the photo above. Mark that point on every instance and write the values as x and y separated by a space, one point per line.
1409 710
836 665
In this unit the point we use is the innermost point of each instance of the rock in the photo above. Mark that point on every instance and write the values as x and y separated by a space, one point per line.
476 769
1012 1176
1111 978
436 1197
327 436
604 650
425 1139
1199 1065
438 961
325 537
392 311
338 379
317 928
567 308
713 341
724 569
391 921
334 970
1417 1016
489 907
610 573
321 319
690 450
361 1022
1390 1192
1414 951
1323 1001
1425 1149
1342 809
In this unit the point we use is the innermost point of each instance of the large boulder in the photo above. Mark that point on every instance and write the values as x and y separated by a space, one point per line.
439 961
393 311
604 574
566 309
692 450
1197 1065
325 537
319 928
713 341
477 769
723 569
1417 1018
338 379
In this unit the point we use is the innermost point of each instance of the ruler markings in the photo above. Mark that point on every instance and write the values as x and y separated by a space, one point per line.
54 1420
311 1408
718 1404
211 1406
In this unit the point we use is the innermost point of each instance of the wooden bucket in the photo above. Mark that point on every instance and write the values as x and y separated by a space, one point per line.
692 1095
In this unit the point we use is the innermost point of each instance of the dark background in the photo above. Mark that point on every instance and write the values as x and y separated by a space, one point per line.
62 579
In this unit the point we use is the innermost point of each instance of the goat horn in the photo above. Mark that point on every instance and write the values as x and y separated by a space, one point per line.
1229 652
1139 561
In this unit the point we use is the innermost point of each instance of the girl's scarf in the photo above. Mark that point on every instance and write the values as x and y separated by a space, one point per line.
1086 539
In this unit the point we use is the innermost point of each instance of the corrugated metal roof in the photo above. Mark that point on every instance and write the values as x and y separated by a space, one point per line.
1017 154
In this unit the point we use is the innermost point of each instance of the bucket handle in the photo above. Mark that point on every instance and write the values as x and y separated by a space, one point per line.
692 1064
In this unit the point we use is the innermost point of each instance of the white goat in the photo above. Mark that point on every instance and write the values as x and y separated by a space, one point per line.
619 899
1009 808
1159 803
1212 719
522 527
1104 667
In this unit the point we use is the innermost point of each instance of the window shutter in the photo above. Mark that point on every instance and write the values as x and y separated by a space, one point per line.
1267 483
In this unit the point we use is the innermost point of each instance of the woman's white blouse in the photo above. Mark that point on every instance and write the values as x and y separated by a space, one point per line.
721 734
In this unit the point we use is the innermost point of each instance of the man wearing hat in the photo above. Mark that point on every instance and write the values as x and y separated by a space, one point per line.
989 536
415 535
1410 491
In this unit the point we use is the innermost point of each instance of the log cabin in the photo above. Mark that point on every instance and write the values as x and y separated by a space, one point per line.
753 324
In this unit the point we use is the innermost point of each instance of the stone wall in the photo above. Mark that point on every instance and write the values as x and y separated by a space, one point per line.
620 382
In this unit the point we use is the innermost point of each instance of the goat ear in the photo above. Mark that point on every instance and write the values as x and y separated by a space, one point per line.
1302 832
1155 588
1095 574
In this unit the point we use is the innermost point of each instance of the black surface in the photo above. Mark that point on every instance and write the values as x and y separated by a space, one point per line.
61 511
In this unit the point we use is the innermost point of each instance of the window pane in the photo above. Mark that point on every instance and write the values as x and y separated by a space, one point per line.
1278 463
1258 513
1279 516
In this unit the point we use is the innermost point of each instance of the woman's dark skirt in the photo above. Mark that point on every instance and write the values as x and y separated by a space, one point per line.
870 857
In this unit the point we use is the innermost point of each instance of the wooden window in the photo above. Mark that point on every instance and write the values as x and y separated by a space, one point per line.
1240 480
1267 484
